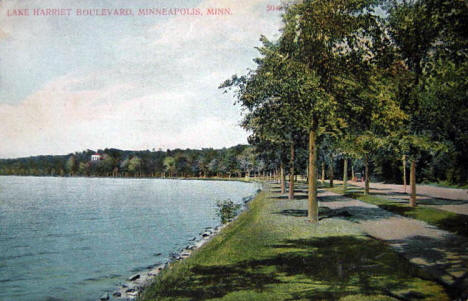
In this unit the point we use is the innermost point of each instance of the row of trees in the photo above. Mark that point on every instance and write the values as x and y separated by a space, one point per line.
239 160
346 81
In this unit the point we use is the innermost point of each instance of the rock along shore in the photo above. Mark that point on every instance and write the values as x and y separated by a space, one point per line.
136 283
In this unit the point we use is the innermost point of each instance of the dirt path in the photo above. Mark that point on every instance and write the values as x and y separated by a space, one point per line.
448 199
442 254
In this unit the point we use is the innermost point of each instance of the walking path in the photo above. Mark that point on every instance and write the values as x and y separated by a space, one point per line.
442 254
448 199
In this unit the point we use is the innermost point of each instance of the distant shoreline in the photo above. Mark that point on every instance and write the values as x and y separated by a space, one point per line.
234 179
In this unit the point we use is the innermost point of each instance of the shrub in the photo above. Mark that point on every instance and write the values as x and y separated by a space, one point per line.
227 210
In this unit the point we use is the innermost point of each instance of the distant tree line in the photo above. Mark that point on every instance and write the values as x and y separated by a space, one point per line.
237 161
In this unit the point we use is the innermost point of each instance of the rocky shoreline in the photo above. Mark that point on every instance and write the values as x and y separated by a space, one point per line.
136 283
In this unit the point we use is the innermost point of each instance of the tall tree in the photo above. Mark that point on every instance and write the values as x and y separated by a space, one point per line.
70 165
270 94
169 165
325 39
134 166
424 31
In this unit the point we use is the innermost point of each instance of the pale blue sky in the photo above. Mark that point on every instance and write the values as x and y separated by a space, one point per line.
141 82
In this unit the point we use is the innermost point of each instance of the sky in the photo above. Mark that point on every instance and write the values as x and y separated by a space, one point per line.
70 83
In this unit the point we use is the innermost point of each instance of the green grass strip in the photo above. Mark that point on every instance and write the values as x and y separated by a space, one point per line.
445 220
270 254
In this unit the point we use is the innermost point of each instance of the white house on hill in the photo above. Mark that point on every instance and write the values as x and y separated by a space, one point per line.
96 157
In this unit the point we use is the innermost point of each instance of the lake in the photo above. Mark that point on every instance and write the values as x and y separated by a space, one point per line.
76 238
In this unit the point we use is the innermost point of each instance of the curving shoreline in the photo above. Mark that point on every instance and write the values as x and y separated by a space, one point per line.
136 283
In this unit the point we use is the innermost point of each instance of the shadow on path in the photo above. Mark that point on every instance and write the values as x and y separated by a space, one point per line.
442 254
323 269
446 259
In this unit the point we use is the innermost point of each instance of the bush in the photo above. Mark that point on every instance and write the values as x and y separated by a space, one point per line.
227 210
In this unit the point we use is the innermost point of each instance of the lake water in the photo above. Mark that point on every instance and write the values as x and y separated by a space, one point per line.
76 238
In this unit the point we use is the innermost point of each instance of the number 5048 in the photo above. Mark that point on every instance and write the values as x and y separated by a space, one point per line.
274 7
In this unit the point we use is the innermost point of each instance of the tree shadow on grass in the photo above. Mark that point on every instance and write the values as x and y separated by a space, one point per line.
203 282
443 257
296 190
394 193
351 213
316 269
440 201
452 222
352 191
323 212
379 189
333 198
285 197
423 199
293 212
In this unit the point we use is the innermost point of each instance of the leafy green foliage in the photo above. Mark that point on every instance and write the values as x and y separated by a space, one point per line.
227 210
235 160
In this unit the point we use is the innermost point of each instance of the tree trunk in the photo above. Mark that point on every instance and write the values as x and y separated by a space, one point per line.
323 173
352 171
404 172
413 184
345 175
366 175
312 181
330 171
282 178
291 174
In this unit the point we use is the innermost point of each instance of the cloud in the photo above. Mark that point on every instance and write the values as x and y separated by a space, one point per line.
3 35
59 119
159 89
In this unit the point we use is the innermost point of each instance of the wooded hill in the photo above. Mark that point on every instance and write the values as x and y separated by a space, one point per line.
227 162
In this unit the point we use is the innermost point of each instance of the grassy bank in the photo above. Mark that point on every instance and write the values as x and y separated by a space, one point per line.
272 253
446 184
449 221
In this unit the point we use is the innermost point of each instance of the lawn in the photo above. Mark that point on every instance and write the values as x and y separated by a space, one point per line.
272 253
446 184
449 221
